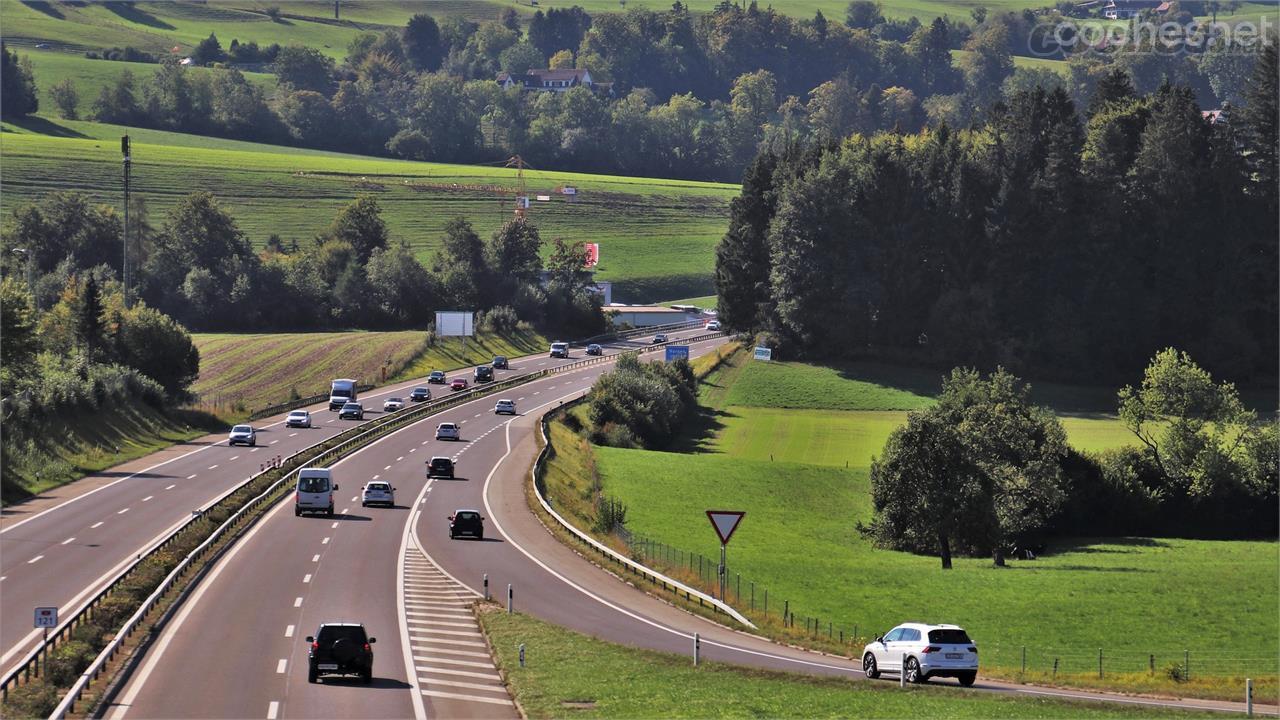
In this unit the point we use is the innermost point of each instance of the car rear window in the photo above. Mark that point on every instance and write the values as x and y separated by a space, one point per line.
467 516
441 462
330 633
379 487
949 637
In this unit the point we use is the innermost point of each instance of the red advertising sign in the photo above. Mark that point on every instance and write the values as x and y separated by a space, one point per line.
593 254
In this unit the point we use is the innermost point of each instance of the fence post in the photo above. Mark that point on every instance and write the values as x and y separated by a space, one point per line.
786 612
1055 668
753 596
1024 659
1248 696
766 602
1186 664
1099 662
1152 662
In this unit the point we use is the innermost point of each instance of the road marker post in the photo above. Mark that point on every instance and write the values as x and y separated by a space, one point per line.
902 671
510 595
697 648
486 587
1248 696
521 654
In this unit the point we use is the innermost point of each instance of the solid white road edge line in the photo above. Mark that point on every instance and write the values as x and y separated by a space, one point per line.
419 707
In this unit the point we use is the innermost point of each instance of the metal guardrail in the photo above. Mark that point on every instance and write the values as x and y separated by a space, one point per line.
539 466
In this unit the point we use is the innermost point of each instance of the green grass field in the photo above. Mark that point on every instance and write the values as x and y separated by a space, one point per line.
256 370
657 236
90 76
567 674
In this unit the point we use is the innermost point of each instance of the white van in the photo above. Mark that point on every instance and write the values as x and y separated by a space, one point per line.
315 491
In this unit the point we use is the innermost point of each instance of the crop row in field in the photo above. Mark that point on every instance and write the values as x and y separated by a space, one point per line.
257 370
657 237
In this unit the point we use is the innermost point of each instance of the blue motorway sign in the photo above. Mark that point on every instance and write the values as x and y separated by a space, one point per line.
677 352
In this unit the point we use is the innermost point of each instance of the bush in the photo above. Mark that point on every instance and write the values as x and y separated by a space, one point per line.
111 613
501 319
1176 672
611 515
67 661
36 699
572 422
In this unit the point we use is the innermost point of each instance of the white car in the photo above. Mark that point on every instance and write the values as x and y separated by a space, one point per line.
392 405
922 652
298 418
378 493
560 349
242 434
713 326
448 431
507 407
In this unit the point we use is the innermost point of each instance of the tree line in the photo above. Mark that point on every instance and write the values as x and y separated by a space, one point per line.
986 472
199 267
691 95
1065 246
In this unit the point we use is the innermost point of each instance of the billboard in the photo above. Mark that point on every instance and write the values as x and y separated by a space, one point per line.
593 254
455 323
764 353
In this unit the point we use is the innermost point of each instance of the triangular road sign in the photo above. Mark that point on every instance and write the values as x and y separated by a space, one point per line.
725 522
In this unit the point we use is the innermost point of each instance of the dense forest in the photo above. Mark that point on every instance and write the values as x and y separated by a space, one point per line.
1052 242
677 94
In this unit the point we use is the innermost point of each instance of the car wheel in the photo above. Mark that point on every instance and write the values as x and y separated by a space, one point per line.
480 535
869 666
253 443
297 512
364 504
330 513
913 671
366 677
968 678
312 675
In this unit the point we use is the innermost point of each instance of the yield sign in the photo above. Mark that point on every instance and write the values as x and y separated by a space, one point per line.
725 522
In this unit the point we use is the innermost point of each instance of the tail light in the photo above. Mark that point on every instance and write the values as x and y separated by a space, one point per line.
315 645
931 649
297 498
973 650
366 647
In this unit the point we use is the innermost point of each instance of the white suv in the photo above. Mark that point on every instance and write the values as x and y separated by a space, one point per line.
448 431
921 652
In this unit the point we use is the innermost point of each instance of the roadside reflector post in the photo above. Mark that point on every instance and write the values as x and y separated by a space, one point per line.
509 598
486 587
902 671
521 654
786 612
1186 664
697 648
1248 696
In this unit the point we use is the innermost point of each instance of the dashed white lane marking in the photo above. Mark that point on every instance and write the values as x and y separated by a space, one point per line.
400 458
479 414
297 602
345 510
306 578
171 487
273 710
326 422
147 498
352 500
375 477
520 398
192 476
315 558
234 457
537 392
123 511
293 434
213 467
324 541
273 442
35 560
386 468
2 577
281 664
335 525
413 449
96 525
68 541
288 632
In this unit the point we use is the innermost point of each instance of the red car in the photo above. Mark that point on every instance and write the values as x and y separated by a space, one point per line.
458 384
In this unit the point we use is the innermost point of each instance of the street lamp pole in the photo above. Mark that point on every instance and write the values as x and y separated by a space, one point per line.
124 268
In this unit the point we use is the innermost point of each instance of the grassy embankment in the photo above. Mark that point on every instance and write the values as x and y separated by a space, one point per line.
567 674
243 372
774 440
657 236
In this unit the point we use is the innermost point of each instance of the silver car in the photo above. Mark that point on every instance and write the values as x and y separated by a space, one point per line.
378 493
243 434
505 407
298 418
392 405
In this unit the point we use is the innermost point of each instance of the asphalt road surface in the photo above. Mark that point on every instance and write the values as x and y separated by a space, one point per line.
61 555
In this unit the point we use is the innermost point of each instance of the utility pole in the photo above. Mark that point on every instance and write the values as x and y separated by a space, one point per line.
124 267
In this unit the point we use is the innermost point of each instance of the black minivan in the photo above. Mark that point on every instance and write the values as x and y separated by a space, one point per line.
340 649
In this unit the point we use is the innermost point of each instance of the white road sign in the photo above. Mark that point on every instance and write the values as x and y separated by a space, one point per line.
46 617
725 522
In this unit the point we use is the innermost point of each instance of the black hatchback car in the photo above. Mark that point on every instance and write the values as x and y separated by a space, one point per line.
340 649
499 362
466 522
440 467
420 394
484 373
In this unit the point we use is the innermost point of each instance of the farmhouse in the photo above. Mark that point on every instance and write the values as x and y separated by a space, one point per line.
559 80
1123 9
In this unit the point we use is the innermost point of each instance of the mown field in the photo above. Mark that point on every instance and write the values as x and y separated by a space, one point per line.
791 444
90 76
567 674
657 236
256 370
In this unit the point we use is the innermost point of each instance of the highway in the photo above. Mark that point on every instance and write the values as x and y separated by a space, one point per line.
61 555
235 648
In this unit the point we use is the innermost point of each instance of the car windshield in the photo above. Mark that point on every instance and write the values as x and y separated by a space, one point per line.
949 637
241 429
351 406
394 400
437 373
331 633
313 485
297 414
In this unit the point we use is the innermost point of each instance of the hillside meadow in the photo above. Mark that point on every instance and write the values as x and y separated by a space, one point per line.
657 236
